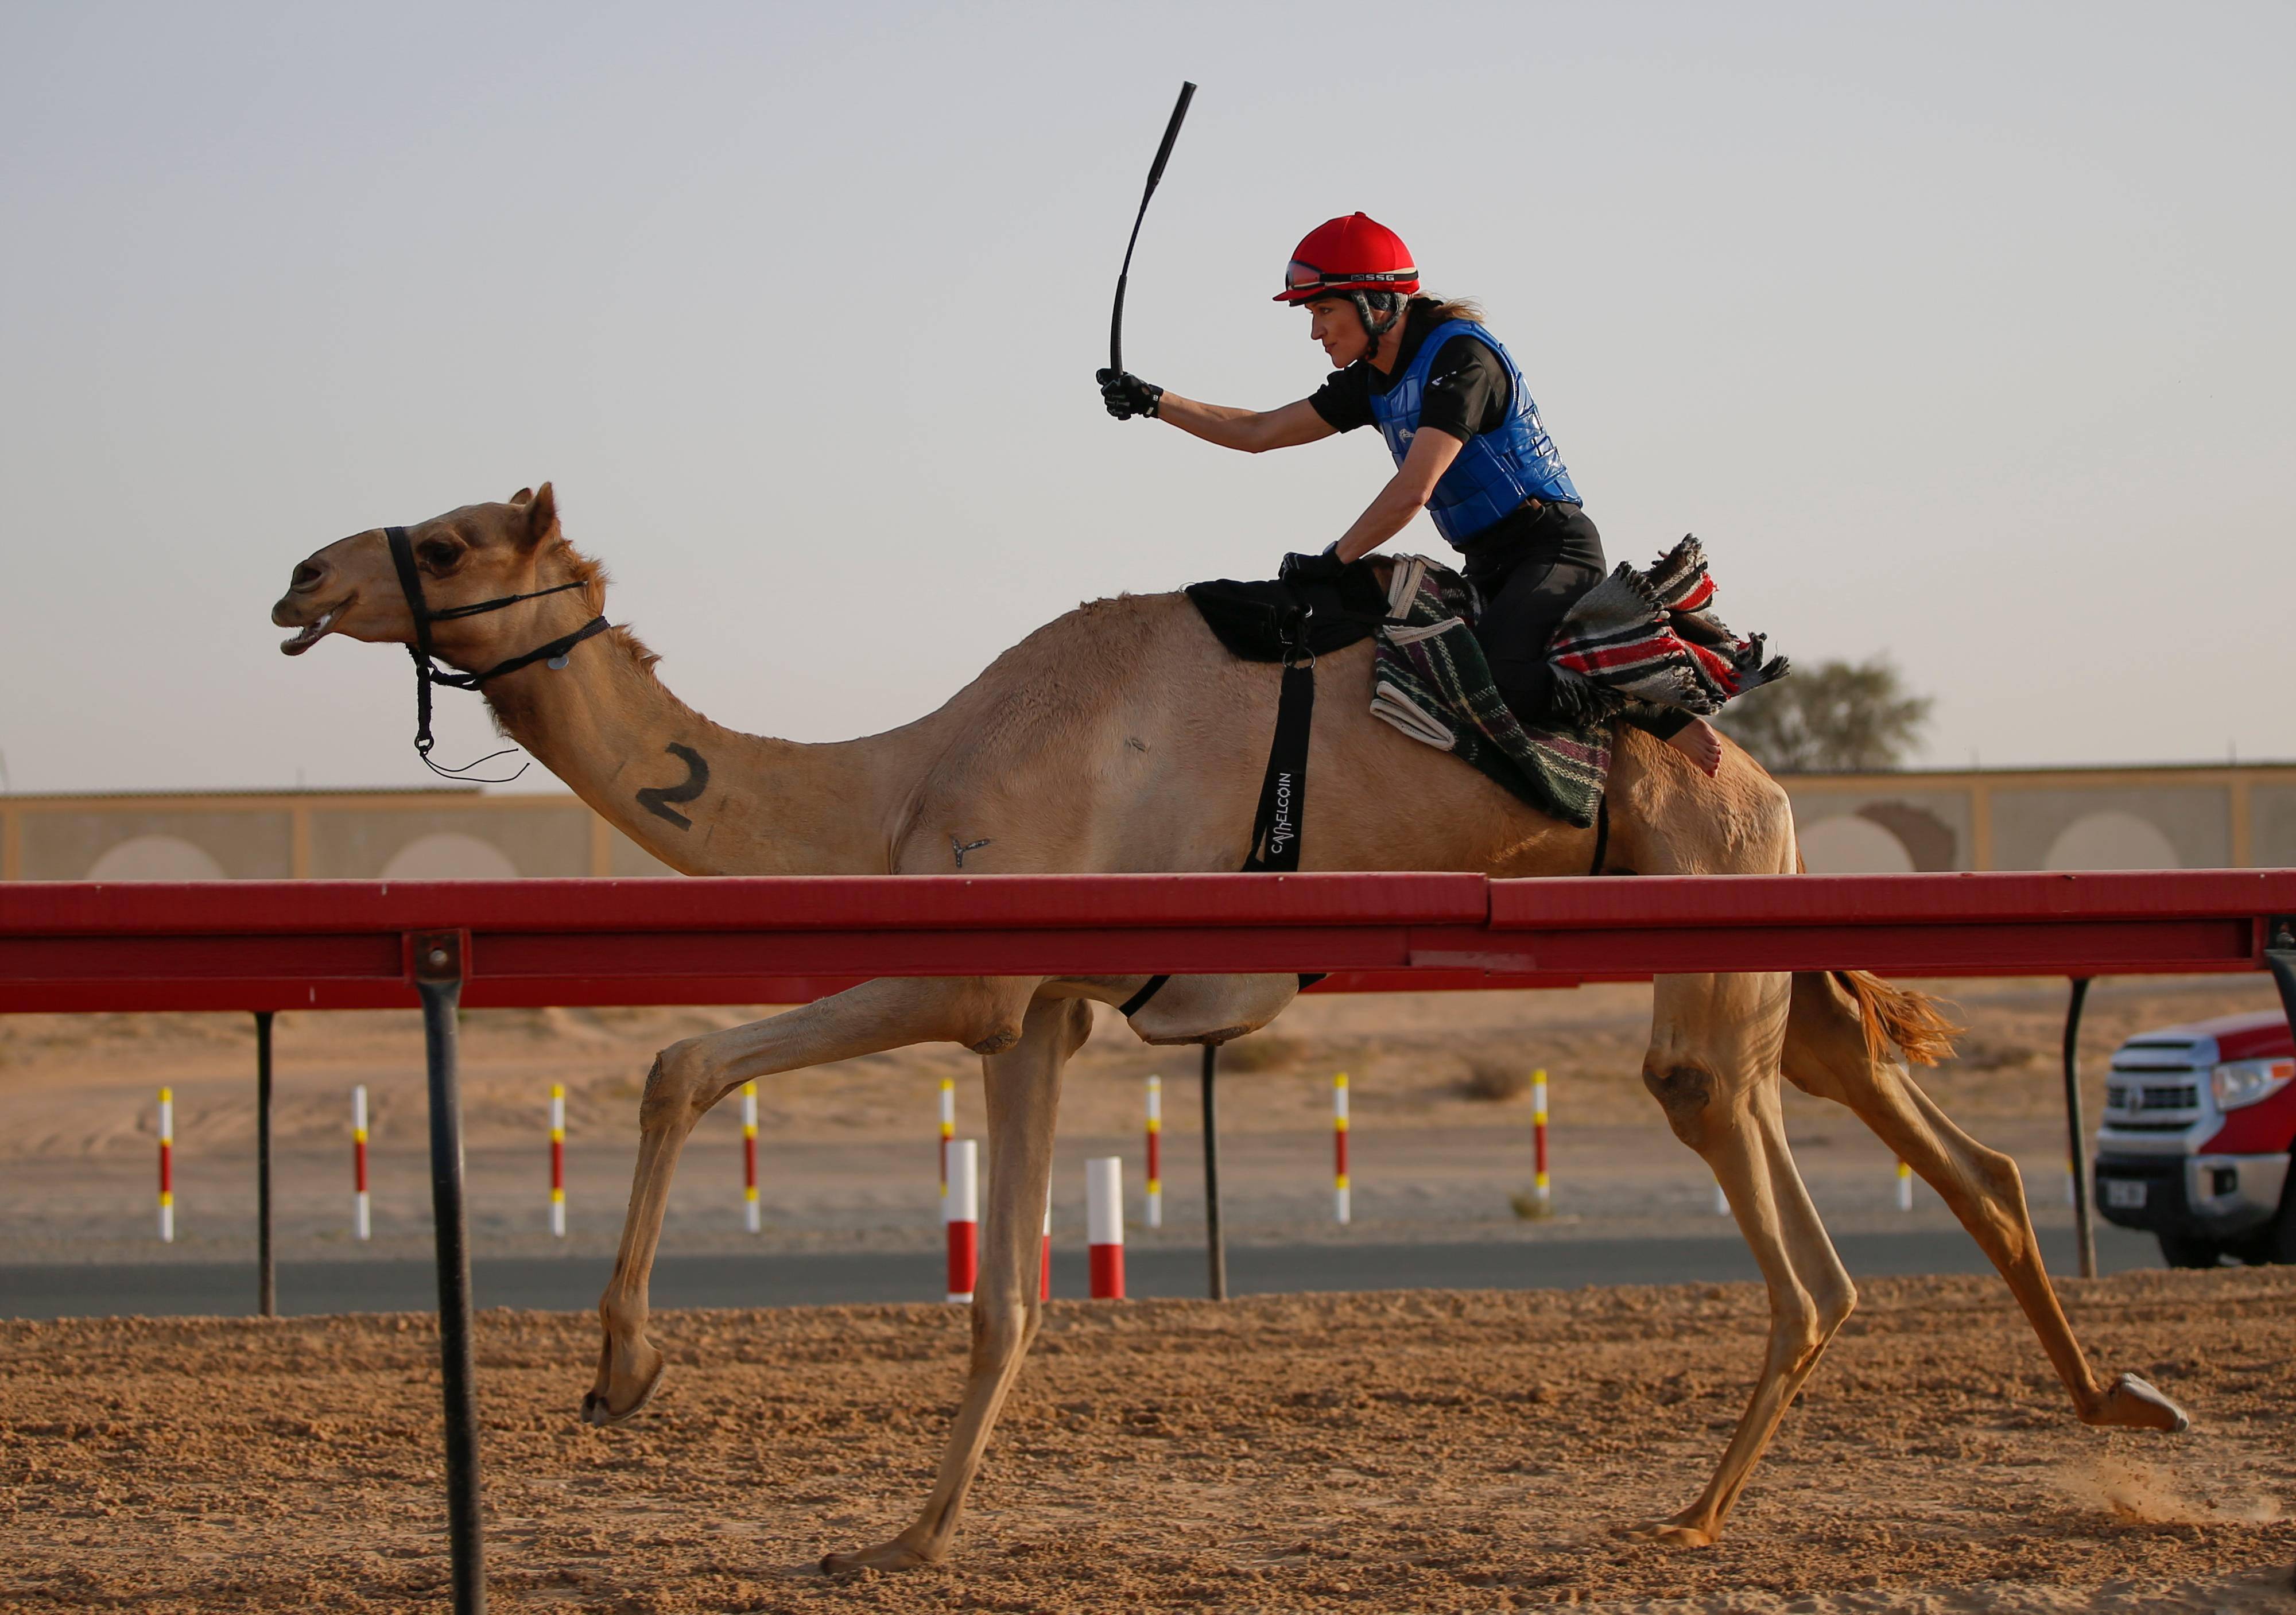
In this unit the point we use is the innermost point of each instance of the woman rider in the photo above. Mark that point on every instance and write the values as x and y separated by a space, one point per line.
1489 475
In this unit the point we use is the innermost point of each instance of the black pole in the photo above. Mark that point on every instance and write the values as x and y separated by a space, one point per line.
2084 1226
2280 958
266 1285
439 978
1215 1246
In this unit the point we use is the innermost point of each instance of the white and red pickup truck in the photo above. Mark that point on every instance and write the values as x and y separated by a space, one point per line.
2195 1140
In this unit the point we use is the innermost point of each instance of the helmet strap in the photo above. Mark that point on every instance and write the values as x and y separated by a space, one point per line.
1391 311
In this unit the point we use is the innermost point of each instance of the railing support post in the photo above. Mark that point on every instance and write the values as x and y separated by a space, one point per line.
439 967
1215 1244
2280 958
2077 1131
267 1286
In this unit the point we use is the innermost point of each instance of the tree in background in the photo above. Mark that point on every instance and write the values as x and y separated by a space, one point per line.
1836 717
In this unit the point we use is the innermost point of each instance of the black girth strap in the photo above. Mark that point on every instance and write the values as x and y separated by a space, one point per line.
1139 1001
1283 794
1283 791
426 672
1602 833
1155 984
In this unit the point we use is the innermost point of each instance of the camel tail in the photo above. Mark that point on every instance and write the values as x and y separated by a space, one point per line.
1896 1015
1899 1015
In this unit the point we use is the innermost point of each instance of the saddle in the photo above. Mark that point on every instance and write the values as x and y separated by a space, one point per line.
1637 642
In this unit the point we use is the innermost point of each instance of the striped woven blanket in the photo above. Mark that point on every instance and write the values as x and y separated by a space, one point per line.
1653 637
1635 639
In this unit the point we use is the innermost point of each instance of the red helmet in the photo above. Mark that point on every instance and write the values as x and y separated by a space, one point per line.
1356 253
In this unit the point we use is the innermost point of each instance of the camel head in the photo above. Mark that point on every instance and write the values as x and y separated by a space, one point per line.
478 552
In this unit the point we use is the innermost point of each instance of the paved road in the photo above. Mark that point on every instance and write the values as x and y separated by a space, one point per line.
223 1288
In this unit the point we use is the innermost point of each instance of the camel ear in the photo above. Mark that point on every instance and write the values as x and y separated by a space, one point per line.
541 516
522 496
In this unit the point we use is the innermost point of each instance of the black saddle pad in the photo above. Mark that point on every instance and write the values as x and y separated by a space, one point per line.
1255 620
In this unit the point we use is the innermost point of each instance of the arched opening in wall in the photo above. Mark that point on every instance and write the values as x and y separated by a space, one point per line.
449 856
1847 844
2112 839
1929 840
157 857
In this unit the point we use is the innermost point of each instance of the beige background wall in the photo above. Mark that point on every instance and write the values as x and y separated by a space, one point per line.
2232 817
2069 818
2275 834
318 835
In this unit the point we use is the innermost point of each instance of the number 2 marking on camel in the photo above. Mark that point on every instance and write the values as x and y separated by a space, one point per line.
655 798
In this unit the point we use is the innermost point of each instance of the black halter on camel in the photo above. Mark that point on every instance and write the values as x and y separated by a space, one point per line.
427 671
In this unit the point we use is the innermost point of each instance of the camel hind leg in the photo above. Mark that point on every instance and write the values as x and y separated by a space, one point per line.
1831 1051
1713 1066
982 1013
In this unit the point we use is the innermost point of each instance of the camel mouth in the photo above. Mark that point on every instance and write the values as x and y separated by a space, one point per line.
313 632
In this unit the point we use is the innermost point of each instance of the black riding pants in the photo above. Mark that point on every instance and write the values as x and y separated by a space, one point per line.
1529 578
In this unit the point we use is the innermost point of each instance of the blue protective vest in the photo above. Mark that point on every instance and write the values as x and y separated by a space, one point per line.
1496 469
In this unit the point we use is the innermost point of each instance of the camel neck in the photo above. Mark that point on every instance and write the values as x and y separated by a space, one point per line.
704 798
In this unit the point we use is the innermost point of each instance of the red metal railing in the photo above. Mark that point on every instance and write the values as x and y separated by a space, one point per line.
342 945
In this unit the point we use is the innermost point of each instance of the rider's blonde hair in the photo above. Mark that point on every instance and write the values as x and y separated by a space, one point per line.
1439 309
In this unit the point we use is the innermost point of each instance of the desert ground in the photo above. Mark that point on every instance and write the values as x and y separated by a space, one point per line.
1420 1451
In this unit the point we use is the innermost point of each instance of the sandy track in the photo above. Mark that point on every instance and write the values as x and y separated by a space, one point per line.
1424 1451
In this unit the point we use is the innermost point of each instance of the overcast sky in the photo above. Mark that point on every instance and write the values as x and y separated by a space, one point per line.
1962 334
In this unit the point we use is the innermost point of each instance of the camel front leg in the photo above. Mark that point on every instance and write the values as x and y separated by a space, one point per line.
982 1013
1023 1094
1825 1054
1713 1068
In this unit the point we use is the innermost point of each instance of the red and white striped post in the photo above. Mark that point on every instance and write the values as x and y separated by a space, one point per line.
1044 1266
168 1166
1539 1187
1103 1218
948 1127
960 1216
362 1226
1340 1197
750 1156
1155 1151
1905 1187
558 1160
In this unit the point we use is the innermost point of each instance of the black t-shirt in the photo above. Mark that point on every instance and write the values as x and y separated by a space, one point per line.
1467 387
1468 393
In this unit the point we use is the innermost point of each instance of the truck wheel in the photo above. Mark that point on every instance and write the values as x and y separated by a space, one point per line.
2274 1243
2189 1250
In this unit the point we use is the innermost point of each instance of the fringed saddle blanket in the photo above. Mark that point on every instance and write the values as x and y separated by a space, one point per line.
1651 636
1635 640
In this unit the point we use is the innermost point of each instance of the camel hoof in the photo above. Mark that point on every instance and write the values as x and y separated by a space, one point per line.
2132 1403
894 1555
599 1410
1669 1533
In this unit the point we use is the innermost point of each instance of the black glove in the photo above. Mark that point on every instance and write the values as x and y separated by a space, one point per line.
1299 570
1127 395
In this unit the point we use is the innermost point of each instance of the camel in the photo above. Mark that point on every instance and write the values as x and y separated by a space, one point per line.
1121 737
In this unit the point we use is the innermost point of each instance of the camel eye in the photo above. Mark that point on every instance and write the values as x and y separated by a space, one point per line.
441 555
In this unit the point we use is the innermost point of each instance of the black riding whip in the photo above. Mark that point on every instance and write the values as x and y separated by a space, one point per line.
1155 173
